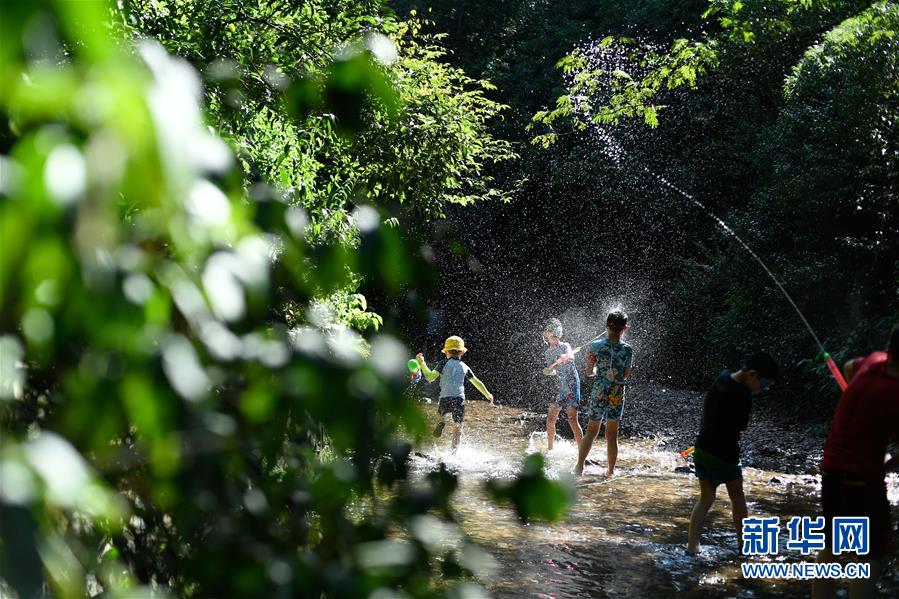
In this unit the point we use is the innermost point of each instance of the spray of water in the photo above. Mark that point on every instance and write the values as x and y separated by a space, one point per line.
746 247
609 59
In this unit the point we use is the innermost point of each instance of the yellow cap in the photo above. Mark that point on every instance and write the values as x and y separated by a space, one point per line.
455 343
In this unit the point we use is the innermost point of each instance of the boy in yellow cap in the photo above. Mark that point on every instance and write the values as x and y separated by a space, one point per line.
452 373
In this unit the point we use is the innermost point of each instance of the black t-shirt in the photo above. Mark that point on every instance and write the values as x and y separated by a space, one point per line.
724 415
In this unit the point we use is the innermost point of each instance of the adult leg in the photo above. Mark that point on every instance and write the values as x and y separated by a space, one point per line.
697 517
575 426
612 444
552 414
737 507
824 588
864 588
586 443
871 501
831 504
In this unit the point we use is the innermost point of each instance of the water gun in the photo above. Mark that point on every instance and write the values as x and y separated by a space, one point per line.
549 368
687 452
414 370
562 359
835 371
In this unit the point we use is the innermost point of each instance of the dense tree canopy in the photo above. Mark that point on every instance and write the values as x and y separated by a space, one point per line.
265 63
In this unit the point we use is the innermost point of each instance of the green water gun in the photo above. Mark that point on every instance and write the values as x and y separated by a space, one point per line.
414 370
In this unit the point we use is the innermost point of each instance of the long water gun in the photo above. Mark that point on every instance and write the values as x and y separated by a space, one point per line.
837 375
566 357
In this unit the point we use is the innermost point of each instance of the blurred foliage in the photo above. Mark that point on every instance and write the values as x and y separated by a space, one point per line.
533 496
167 427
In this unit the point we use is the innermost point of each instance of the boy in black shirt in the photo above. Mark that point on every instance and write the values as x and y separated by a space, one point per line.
725 415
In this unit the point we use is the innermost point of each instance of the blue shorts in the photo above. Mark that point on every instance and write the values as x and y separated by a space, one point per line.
606 404
570 397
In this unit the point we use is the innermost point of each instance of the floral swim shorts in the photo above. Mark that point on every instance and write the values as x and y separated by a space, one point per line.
606 403
570 397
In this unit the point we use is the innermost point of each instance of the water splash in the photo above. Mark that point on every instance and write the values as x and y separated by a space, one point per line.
746 247
625 534
611 59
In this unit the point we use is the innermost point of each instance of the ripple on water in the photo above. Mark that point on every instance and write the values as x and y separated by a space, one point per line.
624 536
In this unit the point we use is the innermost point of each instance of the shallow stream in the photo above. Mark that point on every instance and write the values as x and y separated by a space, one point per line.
624 536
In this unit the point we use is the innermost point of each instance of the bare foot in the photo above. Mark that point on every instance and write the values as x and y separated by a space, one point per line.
693 550
579 470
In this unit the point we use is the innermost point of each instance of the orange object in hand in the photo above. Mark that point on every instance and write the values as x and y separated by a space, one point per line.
835 372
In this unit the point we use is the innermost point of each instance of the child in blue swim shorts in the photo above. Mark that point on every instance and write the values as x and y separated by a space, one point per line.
453 373
560 363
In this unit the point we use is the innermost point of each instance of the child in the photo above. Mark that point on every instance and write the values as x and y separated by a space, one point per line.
452 372
614 358
568 392
717 448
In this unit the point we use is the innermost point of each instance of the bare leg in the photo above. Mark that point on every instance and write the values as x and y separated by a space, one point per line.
575 426
737 507
438 430
697 518
824 588
612 444
457 434
551 416
586 443
864 588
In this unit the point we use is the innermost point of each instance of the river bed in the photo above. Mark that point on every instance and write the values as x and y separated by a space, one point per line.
624 536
